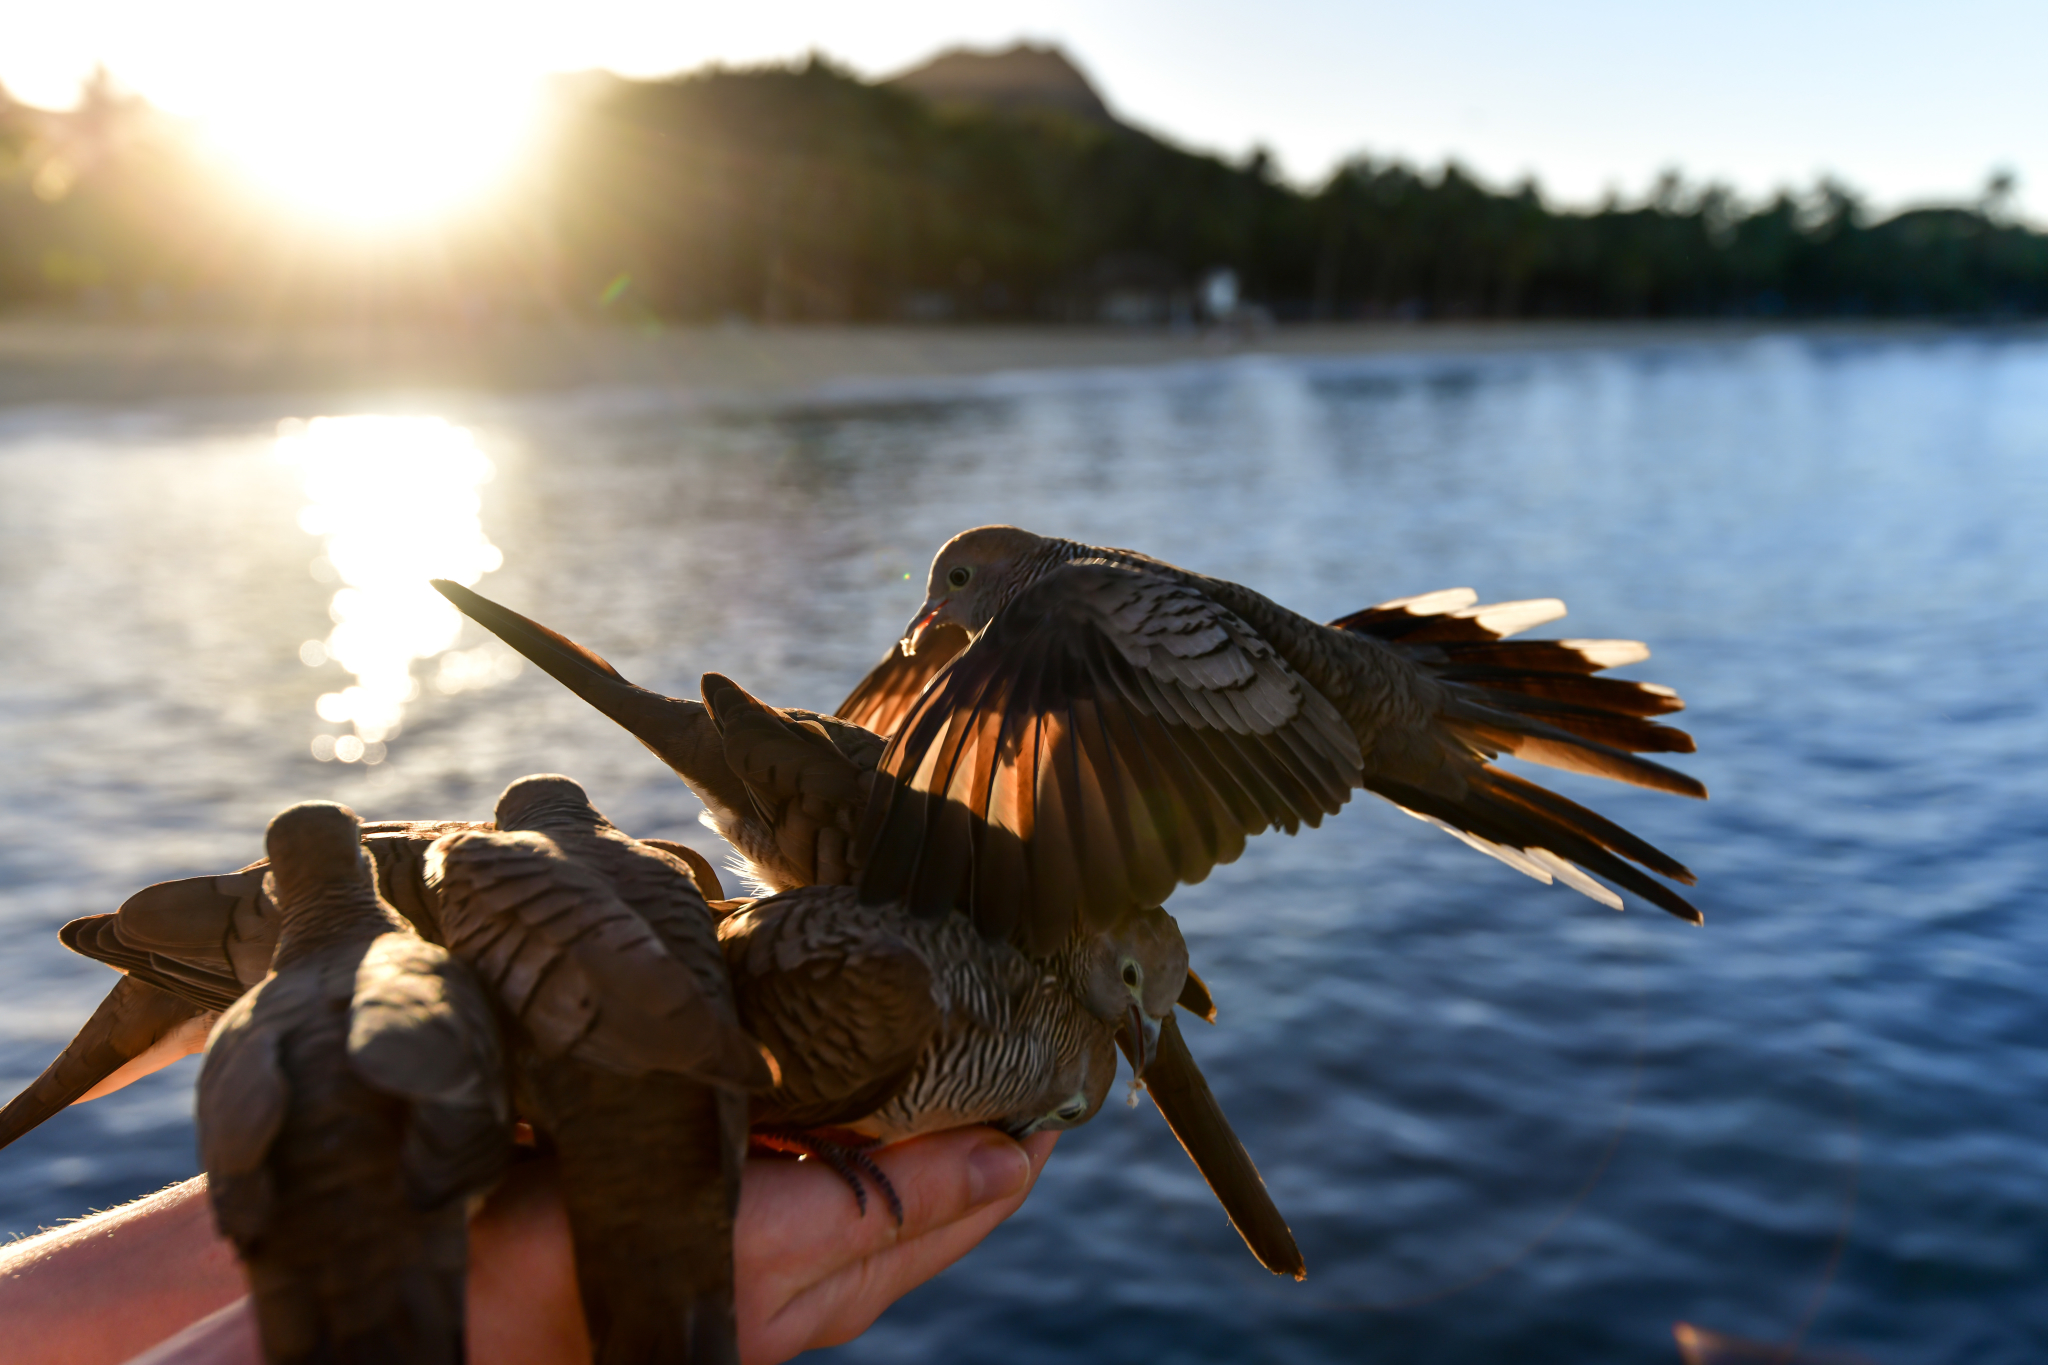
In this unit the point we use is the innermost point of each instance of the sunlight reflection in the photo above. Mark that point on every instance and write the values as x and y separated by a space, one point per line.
394 500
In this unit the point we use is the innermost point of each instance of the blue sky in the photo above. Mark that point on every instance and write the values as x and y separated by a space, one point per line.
1908 102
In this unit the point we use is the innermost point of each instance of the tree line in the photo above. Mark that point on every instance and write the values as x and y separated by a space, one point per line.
804 193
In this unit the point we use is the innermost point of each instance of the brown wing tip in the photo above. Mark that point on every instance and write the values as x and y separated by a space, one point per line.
1285 1259
722 696
75 933
524 634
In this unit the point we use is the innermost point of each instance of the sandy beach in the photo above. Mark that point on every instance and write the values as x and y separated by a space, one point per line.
62 362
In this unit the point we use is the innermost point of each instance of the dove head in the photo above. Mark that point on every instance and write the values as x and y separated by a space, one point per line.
544 798
316 859
974 576
315 840
1132 975
1087 1070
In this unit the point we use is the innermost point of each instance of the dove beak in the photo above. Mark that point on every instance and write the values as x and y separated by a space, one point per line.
925 616
1145 1040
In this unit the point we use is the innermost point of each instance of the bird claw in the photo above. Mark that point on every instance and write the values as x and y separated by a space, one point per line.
851 1162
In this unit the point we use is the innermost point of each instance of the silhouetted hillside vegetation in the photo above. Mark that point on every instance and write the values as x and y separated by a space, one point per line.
804 193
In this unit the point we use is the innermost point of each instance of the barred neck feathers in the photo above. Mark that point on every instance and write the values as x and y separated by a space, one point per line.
1047 554
322 882
1125 559
317 917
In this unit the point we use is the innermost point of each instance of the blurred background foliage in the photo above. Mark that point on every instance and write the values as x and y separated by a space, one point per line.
954 193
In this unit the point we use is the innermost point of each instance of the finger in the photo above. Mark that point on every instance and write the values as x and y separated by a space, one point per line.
803 1214
523 1306
847 1304
812 1272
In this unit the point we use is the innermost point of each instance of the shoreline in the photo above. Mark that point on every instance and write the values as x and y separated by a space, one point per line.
79 363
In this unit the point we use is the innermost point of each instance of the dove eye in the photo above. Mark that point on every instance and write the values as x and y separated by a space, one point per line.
958 578
1071 1110
1131 975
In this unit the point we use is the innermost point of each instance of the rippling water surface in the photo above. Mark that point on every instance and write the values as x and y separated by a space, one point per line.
1506 1123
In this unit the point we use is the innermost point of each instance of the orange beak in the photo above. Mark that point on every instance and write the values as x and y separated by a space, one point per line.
918 627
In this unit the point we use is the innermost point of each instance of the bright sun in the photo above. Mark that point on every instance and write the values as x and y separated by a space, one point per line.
374 148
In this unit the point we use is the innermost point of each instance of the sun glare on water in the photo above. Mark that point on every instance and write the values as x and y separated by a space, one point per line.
394 501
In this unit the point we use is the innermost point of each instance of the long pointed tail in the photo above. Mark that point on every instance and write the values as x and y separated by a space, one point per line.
650 1174
678 732
1541 701
1178 1087
134 1019
333 1300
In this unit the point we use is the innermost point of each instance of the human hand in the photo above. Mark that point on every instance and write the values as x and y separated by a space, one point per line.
813 1273
811 1270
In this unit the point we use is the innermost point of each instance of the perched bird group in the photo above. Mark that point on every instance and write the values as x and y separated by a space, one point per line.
961 878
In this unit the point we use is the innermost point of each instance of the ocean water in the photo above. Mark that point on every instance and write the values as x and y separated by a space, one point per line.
1505 1123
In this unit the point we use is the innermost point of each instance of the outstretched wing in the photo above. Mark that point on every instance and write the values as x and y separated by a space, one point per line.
136 1029
208 939
881 700
1539 700
576 968
1112 733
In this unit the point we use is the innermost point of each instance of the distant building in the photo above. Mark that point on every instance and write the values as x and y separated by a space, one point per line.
1018 79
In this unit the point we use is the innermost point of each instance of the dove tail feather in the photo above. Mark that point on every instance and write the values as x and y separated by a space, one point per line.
1182 1094
650 1175
1546 836
415 1316
677 731
133 1018
1536 699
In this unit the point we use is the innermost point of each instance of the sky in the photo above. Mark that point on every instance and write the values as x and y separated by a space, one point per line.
1906 102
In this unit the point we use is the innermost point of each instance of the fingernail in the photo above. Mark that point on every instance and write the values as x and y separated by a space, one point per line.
996 1170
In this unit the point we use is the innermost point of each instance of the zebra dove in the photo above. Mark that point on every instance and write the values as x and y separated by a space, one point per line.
351 1105
628 1057
1119 725
786 787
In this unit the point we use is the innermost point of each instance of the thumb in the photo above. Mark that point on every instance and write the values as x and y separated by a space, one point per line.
812 1271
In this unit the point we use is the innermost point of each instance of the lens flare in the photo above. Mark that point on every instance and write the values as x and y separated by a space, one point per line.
395 503
384 119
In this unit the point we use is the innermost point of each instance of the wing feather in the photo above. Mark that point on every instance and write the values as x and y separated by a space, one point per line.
581 972
1122 727
840 996
242 1099
881 700
421 1029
